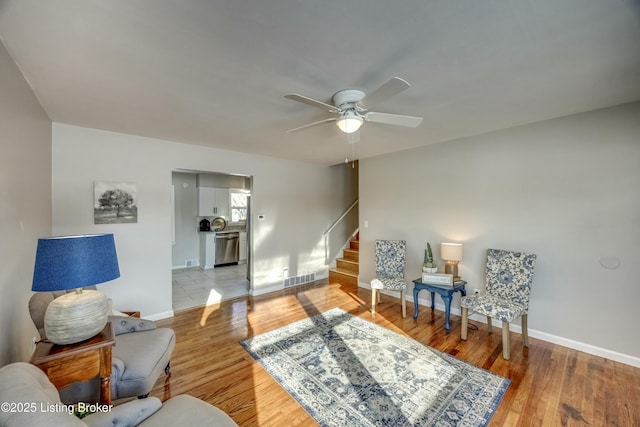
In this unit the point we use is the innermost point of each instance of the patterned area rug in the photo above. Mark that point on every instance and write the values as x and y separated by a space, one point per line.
346 371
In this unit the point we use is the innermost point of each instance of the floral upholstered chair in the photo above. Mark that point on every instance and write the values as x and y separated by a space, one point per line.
508 282
390 262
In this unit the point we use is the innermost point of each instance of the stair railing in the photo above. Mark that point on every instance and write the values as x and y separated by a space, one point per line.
348 226
344 214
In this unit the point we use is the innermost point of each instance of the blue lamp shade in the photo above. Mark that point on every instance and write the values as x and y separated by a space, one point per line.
71 262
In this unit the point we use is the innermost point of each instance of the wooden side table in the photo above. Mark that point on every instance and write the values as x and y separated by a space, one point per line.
65 364
446 292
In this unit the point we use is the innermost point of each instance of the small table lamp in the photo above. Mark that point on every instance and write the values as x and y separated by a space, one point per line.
72 262
452 253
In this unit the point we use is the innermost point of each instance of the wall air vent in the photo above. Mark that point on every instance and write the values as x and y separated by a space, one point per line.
299 280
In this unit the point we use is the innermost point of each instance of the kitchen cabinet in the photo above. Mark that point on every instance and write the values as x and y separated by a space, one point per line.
213 202
222 203
242 249
207 250
206 201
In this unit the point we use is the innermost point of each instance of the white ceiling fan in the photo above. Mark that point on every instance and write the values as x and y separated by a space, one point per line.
352 107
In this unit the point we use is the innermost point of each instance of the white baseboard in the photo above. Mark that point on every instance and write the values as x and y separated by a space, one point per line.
587 348
516 327
183 266
160 316
265 290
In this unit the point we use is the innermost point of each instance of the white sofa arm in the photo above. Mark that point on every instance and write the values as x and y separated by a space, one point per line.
126 415
185 410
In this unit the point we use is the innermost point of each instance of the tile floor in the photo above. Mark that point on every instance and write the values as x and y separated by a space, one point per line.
193 287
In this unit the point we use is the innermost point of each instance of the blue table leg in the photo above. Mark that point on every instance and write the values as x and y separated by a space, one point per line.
447 305
433 298
415 302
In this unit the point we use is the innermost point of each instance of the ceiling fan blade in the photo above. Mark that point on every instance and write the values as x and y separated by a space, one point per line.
387 90
312 102
393 119
332 119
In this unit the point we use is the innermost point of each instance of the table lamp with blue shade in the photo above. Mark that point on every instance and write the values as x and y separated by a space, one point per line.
73 262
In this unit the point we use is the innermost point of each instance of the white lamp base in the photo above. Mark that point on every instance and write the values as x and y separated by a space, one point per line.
75 317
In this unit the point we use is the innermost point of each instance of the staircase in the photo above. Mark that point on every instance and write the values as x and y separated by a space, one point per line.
347 267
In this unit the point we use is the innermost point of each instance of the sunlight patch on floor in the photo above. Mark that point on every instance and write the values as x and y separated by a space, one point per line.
214 297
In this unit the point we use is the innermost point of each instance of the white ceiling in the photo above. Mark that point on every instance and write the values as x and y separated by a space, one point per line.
214 72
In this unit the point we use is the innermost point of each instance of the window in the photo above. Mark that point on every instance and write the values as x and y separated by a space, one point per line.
238 206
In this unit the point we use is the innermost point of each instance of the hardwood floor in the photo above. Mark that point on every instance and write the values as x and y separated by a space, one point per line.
550 385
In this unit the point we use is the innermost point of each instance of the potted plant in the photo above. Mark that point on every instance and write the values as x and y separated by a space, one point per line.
429 265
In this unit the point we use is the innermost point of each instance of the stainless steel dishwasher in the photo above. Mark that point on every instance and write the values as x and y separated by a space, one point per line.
227 246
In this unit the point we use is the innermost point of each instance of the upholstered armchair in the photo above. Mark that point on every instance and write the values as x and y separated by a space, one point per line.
508 284
37 403
390 264
140 354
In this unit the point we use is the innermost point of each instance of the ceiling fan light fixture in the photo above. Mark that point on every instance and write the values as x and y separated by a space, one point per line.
349 122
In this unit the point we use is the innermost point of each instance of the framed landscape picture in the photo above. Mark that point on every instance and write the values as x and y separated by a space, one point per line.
114 202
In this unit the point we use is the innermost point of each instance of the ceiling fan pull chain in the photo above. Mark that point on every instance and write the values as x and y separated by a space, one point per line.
353 152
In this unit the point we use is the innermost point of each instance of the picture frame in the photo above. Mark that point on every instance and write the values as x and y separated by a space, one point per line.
115 202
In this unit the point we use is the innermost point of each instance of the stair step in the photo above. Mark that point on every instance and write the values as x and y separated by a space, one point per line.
342 276
348 264
352 254
347 268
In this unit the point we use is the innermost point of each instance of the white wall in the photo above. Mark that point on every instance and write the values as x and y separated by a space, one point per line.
25 204
566 189
296 199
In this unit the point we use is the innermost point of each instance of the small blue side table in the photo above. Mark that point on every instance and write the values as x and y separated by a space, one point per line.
446 292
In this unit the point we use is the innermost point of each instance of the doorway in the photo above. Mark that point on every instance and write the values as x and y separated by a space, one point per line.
196 281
